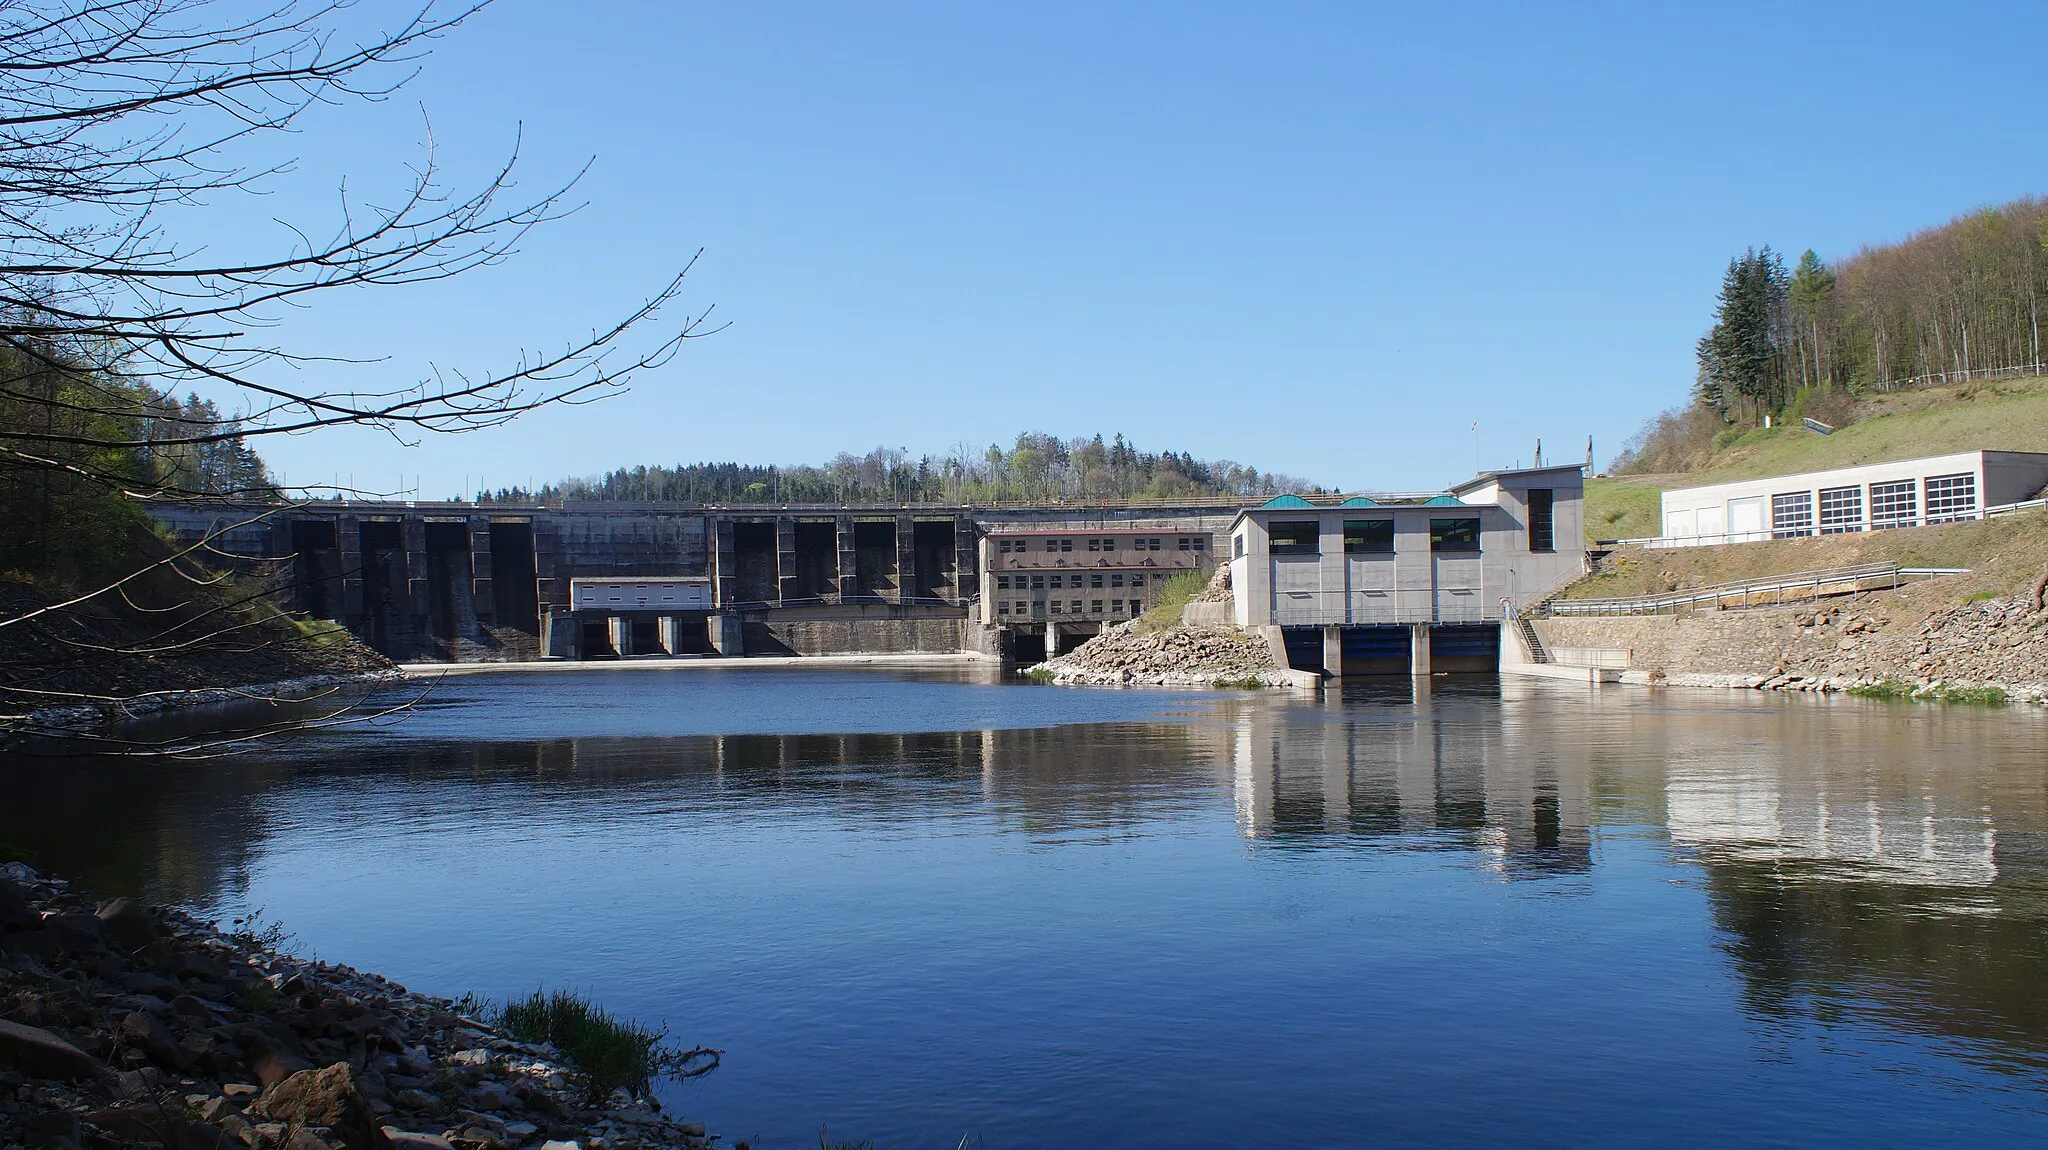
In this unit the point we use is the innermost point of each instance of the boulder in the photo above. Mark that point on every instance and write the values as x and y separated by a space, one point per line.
329 1097
126 924
407 1140
40 1054
16 911
140 1031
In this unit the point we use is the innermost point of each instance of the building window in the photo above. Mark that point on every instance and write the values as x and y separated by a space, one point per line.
1038 609
1542 519
1951 498
1792 515
1038 580
1186 544
1116 578
1237 547
1055 606
1295 537
1893 505
1002 546
1368 536
1454 535
1075 606
1003 608
1002 582
1055 582
1095 545
1841 510
1095 605
1116 606
1201 544
1023 605
1095 579
1066 544
1137 606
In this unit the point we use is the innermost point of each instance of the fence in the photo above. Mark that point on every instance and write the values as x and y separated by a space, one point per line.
1767 591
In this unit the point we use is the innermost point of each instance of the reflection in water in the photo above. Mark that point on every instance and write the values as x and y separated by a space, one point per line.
1383 865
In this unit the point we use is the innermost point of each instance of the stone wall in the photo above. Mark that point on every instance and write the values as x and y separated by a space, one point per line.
770 634
1915 636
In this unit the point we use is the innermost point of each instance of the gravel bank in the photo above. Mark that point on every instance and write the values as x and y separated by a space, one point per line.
128 1026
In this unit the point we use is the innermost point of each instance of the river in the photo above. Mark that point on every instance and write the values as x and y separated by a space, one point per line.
920 906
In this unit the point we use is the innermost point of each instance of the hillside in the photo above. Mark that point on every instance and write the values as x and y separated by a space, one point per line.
2003 415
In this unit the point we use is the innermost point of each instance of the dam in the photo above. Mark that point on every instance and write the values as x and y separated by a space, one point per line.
462 582
1359 583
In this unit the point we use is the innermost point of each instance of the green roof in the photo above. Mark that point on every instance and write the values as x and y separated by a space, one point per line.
1360 501
1285 501
1443 501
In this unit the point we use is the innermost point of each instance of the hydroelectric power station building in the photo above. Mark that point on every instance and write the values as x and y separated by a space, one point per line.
1351 585
1392 584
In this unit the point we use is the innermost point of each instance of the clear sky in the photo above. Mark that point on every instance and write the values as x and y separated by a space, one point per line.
1318 239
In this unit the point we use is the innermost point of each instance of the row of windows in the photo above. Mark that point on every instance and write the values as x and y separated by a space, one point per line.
1370 536
1949 498
1095 579
1098 543
1072 607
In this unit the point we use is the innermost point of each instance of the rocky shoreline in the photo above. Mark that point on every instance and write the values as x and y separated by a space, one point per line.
72 718
1179 656
123 1025
1899 643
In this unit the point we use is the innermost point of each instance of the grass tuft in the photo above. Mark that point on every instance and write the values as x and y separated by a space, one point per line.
611 1053
1038 675
1248 683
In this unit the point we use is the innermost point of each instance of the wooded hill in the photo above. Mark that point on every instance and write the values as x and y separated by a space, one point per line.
1037 467
1949 303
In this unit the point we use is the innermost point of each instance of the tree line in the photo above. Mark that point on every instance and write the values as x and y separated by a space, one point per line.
103 442
1037 467
1965 297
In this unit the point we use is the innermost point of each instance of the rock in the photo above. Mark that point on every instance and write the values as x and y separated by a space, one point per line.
560 1146
407 1140
140 1031
238 1090
127 925
140 1122
470 1057
493 1096
16 912
52 1127
414 1099
204 1136
40 1054
330 1098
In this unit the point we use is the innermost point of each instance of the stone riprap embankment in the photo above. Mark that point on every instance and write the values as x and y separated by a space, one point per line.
126 1026
1180 656
1857 641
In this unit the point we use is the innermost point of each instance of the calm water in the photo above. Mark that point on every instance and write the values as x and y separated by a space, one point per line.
921 907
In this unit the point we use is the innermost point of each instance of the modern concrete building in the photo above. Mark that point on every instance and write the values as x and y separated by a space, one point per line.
1871 497
1057 585
1407 583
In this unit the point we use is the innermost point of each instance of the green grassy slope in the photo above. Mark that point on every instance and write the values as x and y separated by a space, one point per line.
2006 415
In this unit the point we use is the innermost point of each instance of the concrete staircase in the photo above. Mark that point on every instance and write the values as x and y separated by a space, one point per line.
1530 640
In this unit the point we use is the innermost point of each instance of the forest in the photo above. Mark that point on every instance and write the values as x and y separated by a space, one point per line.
1953 302
107 446
1037 467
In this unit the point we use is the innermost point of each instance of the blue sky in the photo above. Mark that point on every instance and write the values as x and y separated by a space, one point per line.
1318 239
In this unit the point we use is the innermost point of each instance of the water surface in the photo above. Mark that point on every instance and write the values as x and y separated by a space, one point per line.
921 906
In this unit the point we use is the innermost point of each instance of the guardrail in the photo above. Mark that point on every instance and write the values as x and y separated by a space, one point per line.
1764 592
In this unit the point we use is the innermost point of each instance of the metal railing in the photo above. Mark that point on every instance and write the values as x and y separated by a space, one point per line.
1767 591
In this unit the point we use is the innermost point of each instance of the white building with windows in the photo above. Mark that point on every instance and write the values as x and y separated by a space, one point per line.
1870 497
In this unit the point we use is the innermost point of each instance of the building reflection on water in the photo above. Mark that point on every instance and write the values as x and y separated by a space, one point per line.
1897 862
